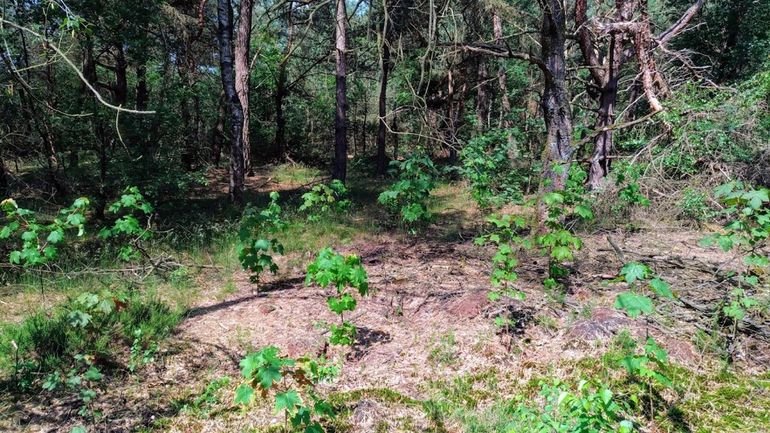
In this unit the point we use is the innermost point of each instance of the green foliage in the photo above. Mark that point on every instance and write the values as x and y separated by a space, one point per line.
635 302
323 199
342 273
409 195
629 192
747 230
590 409
557 241
293 384
723 127
487 166
647 362
97 325
127 229
506 237
257 238
694 206
202 404
39 243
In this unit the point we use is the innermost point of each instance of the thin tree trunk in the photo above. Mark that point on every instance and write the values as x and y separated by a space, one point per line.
242 45
225 40
339 168
383 98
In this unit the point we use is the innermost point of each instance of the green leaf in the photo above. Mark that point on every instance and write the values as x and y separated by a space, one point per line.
661 288
93 374
14 257
56 236
287 400
635 271
244 394
633 304
561 253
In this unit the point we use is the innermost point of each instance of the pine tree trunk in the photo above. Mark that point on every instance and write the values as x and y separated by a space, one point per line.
227 70
242 45
558 151
339 168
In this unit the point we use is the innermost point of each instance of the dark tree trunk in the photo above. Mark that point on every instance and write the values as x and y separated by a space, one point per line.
555 102
339 168
603 143
382 100
121 76
227 70
242 45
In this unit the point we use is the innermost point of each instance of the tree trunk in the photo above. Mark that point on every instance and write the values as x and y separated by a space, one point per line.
483 102
339 168
555 102
121 76
603 143
382 128
242 45
225 40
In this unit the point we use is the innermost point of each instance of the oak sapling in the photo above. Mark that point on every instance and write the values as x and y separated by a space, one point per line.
343 273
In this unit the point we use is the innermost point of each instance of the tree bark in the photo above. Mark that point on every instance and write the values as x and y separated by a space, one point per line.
242 45
225 40
120 89
383 98
339 167
555 102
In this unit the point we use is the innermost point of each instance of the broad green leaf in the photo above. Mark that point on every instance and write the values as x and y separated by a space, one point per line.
287 400
244 394
661 288
633 304
634 271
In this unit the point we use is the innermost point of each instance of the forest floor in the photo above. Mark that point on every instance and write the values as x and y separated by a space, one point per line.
428 356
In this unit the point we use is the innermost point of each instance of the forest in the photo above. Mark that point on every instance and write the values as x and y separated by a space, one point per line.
371 216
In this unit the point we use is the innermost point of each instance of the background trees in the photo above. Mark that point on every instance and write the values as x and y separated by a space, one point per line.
403 75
